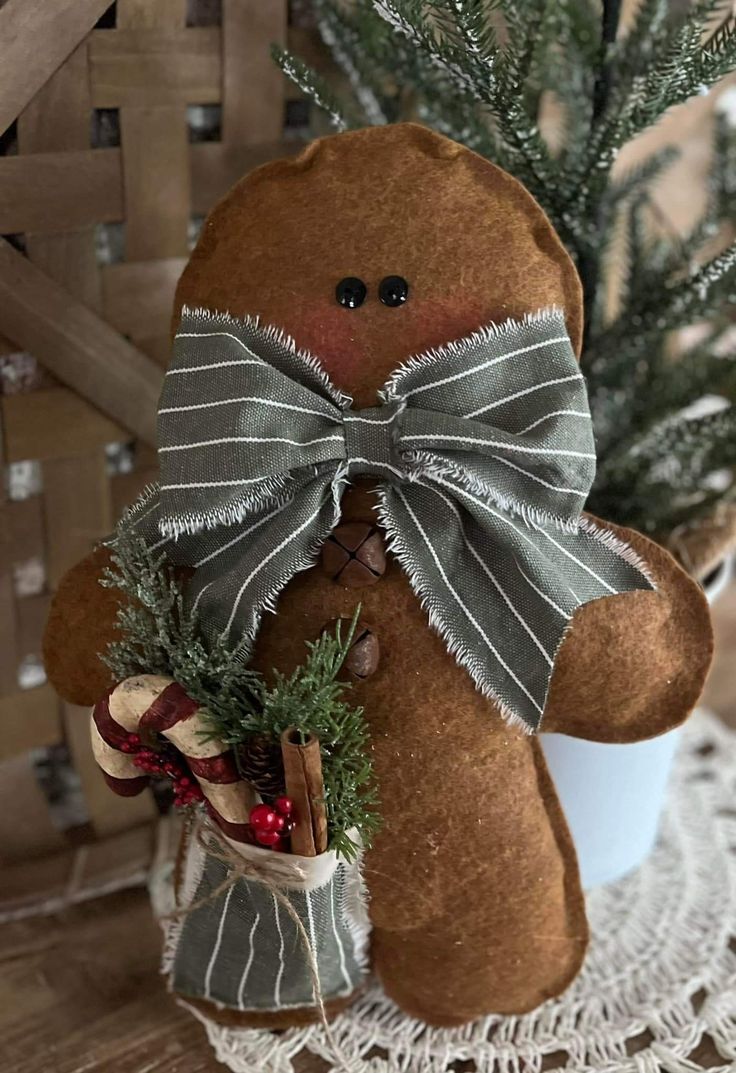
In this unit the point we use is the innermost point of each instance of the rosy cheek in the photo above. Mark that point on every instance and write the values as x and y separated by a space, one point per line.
338 338
349 342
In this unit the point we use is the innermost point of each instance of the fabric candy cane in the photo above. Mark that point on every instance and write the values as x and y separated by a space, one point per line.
148 705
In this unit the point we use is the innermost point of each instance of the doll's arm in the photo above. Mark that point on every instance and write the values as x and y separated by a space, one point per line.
81 624
633 665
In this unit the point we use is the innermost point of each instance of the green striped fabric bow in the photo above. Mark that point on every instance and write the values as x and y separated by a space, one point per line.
484 455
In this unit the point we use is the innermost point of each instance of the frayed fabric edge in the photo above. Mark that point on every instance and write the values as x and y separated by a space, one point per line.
455 648
549 316
619 547
274 334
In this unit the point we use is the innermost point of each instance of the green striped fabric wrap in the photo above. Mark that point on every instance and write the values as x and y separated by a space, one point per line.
241 948
483 455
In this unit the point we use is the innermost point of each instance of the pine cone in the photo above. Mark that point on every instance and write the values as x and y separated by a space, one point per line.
261 764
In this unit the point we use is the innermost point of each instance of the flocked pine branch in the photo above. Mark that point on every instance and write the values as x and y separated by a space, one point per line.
481 71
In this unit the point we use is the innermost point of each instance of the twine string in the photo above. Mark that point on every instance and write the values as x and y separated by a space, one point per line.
212 843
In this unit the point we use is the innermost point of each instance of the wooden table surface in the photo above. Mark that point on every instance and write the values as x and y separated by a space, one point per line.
80 991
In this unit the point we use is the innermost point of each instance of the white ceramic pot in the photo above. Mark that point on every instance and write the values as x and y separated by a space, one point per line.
613 795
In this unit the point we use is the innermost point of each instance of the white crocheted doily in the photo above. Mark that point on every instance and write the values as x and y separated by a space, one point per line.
659 977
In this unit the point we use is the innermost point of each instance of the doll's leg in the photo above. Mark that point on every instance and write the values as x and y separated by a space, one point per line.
507 927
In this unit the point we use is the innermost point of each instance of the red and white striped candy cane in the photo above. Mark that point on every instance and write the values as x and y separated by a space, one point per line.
148 705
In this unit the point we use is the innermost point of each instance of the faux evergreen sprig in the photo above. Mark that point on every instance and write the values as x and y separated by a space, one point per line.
312 700
158 635
482 72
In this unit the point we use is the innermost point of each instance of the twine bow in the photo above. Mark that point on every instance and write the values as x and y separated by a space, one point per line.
484 454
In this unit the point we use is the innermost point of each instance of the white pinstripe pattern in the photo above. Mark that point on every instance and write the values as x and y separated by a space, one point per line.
244 398
253 360
549 416
499 443
459 490
380 465
520 394
251 439
264 562
544 595
310 922
213 484
352 418
487 570
249 962
282 963
466 611
539 480
218 944
241 536
340 947
571 556
560 451
212 365
487 365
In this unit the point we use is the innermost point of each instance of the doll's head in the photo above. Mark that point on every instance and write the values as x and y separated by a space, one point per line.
470 242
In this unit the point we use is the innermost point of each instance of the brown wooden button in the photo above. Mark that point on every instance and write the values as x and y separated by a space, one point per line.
354 555
364 653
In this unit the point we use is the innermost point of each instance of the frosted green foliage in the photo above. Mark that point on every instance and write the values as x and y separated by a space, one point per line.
478 71
157 635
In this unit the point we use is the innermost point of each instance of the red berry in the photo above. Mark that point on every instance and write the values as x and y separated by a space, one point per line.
263 818
284 805
267 838
280 823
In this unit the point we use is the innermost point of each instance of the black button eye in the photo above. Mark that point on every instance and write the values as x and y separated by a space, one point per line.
393 291
350 292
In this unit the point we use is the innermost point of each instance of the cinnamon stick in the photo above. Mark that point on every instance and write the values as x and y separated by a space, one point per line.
305 787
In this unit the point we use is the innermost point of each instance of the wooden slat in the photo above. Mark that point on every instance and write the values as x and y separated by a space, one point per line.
54 424
139 67
57 119
69 871
157 182
25 530
217 166
37 36
108 813
154 135
29 719
26 830
142 14
252 84
70 258
78 510
60 191
8 629
138 295
8 653
32 614
77 345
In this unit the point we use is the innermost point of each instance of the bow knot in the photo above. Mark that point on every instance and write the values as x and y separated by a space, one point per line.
371 441
483 450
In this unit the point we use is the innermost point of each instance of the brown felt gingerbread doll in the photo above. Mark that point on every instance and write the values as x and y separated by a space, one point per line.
475 899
